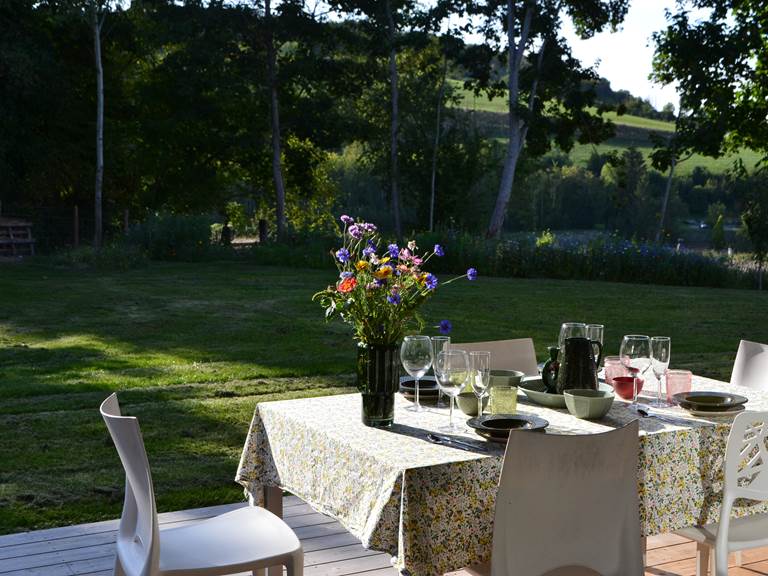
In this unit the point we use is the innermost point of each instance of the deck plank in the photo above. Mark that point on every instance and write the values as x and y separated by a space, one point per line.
329 550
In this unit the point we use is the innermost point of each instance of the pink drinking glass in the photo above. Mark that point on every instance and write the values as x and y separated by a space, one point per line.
677 381
614 367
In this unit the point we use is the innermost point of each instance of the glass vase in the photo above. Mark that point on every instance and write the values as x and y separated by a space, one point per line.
378 379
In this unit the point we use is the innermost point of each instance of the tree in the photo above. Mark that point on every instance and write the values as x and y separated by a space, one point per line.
668 153
544 83
98 12
754 221
720 63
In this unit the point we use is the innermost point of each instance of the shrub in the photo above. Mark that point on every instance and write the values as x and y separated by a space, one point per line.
165 236
115 256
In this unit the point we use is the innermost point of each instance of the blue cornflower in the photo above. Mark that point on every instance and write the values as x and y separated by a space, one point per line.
393 298
345 275
471 274
439 250
393 251
431 281
445 326
342 255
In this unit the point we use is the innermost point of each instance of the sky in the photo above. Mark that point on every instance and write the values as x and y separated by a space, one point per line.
625 57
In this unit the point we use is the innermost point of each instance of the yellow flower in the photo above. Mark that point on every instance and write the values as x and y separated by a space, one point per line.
361 265
383 273
384 260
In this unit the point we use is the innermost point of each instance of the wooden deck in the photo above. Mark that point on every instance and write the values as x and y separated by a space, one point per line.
328 548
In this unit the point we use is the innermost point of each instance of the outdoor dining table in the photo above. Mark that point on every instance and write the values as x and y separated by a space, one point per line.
431 506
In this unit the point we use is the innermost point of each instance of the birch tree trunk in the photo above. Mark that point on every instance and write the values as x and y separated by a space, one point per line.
515 127
394 123
665 202
277 167
435 151
96 24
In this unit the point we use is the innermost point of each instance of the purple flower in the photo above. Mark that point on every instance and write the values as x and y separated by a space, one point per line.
431 281
355 232
472 274
379 283
370 249
393 251
445 326
342 255
345 275
439 250
368 227
346 219
393 298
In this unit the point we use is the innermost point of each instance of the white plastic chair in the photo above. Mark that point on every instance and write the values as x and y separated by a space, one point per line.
751 366
518 354
746 458
568 505
249 538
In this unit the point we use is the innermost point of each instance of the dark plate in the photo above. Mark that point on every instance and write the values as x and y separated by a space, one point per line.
497 427
427 386
703 401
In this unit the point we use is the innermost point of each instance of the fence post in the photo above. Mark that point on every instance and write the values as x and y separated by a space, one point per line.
76 227
262 231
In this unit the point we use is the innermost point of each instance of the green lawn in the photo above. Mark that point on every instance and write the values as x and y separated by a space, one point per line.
193 347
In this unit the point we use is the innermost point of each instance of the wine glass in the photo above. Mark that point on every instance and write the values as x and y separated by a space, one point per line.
439 343
635 354
452 370
595 334
570 330
481 376
661 349
416 356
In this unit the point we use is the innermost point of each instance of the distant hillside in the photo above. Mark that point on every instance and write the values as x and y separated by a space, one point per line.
490 116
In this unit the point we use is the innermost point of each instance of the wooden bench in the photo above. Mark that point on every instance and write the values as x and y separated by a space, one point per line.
16 238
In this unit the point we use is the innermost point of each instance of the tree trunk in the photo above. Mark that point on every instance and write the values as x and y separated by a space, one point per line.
277 167
515 128
665 203
97 213
394 124
440 95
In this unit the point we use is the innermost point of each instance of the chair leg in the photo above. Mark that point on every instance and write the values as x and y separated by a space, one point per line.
703 556
644 548
294 566
737 557
118 571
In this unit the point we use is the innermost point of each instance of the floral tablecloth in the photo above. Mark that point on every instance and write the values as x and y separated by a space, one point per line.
431 506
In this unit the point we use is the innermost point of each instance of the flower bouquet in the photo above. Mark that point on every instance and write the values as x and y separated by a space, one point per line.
379 291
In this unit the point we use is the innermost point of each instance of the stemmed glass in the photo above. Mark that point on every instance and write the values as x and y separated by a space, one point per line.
595 334
439 343
661 349
452 370
635 354
416 356
481 376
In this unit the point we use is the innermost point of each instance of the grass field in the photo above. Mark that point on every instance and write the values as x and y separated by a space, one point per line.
630 131
193 347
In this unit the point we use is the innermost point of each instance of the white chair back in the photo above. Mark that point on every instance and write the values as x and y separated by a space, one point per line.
568 505
138 536
518 354
751 366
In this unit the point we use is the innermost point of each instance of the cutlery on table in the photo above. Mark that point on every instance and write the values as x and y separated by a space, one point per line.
446 441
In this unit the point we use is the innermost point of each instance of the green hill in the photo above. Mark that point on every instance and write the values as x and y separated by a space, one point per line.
490 116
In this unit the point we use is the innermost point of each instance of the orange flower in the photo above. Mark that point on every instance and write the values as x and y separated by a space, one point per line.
347 285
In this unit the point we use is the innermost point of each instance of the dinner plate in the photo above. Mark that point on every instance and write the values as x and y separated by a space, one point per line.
496 427
427 387
732 411
705 401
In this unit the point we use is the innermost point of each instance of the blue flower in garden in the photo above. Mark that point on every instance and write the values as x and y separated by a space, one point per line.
355 232
439 250
393 298
472 274
445 326
393 251
368 251
431 281
345 275
342 255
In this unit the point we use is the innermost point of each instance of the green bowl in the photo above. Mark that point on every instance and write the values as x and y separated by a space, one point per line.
543 398
506 377
588 404
467 402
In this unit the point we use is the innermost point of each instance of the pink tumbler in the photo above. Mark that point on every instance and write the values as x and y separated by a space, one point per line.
677 381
